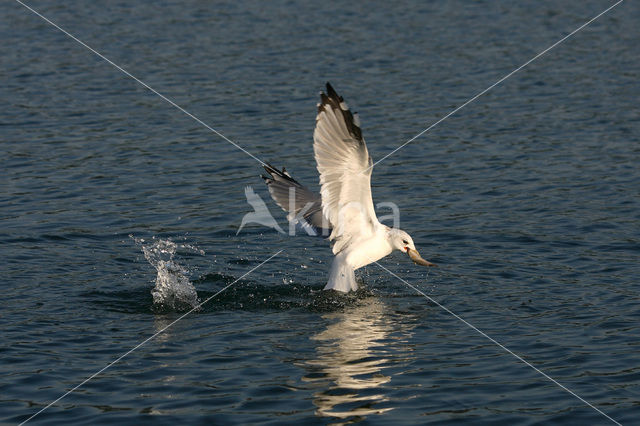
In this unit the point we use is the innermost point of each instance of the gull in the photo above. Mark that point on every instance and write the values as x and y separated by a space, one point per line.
344 208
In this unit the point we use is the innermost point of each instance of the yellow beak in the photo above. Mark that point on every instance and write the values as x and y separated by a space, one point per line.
417 259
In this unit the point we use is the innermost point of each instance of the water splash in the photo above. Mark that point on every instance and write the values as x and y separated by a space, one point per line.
173 288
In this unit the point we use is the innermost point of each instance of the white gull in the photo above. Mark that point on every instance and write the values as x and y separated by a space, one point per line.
344 208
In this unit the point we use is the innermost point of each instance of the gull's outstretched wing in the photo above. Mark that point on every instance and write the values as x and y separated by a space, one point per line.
345 171
299 201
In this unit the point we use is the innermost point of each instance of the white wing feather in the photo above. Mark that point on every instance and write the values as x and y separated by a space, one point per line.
344 165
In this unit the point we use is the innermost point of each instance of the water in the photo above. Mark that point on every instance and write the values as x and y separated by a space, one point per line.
173 290
527 199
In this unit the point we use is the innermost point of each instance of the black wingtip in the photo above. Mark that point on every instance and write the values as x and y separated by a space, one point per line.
330 89
323 101
329 98
332 94
269 168
276 175
335 101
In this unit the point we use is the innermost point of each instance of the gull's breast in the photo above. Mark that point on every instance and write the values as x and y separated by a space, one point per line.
368 250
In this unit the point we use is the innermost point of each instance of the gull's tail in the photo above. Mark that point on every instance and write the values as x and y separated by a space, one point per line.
341 277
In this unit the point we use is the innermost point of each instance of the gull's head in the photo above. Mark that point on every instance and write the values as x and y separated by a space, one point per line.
402 241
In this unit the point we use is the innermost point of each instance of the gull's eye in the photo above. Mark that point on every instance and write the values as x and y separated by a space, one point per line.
405 242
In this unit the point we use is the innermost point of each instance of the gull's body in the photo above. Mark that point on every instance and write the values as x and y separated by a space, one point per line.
344 206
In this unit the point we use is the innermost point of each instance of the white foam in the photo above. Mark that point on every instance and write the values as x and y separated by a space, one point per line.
173 288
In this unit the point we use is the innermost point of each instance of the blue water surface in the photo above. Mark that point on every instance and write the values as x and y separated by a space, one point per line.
527 198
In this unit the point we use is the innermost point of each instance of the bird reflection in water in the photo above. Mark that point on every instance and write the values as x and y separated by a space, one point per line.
352 355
